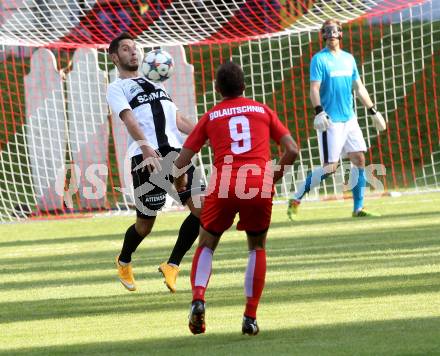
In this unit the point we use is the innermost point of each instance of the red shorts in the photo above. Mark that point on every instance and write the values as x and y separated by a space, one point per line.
218 214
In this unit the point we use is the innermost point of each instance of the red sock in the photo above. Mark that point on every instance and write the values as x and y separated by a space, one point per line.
254 281
200 272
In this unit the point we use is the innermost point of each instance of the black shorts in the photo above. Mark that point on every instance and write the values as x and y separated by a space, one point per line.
150 189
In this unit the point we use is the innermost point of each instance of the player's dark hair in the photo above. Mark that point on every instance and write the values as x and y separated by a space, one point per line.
114 44
230 80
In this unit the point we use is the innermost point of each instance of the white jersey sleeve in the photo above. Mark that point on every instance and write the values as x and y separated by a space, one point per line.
116 99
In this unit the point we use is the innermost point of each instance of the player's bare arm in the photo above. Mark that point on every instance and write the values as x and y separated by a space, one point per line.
362 93
321 121
182 161
148 153
364 97
184 124
315 98
290 152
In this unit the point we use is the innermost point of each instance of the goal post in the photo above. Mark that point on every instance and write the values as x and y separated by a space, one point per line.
61 152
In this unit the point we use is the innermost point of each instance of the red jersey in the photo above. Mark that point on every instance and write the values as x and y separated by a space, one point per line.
239 131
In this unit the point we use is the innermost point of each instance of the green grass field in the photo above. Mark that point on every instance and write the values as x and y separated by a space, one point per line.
334 286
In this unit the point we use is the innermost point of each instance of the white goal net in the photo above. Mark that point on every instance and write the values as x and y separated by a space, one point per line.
61 151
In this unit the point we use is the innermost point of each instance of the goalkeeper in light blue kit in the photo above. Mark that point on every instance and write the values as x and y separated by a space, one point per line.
333 76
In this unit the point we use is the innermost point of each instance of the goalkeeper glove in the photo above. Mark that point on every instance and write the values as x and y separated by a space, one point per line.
378 120
322 120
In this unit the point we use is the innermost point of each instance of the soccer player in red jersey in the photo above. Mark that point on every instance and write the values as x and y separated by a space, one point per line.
239 131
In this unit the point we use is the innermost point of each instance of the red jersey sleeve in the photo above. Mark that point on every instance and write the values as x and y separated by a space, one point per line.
198 135
277 129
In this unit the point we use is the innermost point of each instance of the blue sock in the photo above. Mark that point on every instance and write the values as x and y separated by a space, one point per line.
313 180
358 174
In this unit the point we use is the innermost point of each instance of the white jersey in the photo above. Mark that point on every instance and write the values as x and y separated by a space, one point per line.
153 108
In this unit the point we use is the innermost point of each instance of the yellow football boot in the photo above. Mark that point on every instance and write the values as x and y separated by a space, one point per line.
126 275
170 274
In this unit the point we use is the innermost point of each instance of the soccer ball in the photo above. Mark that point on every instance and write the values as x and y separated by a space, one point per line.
157 65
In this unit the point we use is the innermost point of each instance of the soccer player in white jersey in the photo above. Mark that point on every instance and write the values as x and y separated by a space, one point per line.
333 76
153 123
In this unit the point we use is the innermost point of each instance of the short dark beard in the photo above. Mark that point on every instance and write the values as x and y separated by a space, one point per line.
129 68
